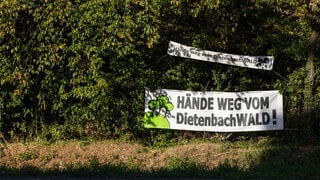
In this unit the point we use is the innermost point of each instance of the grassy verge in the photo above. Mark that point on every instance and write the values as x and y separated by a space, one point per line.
242 159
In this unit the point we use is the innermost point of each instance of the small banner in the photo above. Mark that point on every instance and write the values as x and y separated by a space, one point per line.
255 62
214 111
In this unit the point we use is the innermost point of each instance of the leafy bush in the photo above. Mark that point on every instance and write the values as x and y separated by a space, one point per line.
75 69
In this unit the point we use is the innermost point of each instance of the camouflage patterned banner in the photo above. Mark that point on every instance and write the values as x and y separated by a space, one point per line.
255 62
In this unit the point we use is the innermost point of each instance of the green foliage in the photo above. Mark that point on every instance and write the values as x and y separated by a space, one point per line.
25 156
67 66
73 69
186 165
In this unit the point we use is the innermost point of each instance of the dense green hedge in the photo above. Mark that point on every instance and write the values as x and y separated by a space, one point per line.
75 69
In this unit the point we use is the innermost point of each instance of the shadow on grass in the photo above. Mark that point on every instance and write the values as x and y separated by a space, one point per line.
122 171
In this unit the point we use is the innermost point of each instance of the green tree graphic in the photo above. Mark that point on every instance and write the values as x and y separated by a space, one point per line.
155 119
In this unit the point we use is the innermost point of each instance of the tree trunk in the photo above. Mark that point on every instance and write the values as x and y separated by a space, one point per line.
310 105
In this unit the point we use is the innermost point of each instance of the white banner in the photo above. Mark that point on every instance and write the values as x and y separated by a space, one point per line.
214 111
255 62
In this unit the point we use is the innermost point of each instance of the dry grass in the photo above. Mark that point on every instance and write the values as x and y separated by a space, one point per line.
60 154
213 157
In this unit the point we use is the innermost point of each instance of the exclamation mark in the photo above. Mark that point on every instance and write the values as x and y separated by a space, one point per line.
274 116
